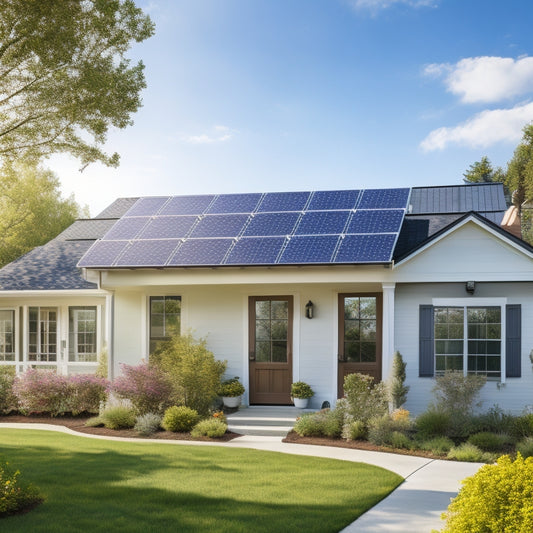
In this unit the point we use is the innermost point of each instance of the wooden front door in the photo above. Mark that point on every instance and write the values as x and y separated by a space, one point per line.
270 349
360 317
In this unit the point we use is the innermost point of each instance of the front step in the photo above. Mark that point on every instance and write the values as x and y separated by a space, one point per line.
264 421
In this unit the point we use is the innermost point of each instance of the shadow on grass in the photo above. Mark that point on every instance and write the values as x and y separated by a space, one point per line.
108 486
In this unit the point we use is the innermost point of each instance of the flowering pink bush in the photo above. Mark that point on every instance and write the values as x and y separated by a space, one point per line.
146 386
45 391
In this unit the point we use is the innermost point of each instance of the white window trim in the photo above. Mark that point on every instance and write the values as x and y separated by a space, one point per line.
16 337
478 302
145 331
66 349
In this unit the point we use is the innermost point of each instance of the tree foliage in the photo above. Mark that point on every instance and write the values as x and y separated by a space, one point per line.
398 389
483 172
32 211
64 77
520 169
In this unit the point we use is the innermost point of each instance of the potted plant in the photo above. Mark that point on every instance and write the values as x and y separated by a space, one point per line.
301 392
231 391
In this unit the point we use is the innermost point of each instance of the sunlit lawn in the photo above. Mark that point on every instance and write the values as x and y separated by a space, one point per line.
100 485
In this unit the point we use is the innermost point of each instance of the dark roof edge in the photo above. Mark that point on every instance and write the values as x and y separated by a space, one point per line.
480 218
458 185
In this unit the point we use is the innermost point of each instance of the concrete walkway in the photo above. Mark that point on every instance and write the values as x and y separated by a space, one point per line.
414 507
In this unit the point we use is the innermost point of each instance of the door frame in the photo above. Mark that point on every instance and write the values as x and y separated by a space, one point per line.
363 368
272 398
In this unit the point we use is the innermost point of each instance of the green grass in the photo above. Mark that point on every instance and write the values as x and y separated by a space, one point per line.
99 485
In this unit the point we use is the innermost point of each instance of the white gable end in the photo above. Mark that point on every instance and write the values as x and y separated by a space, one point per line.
471 251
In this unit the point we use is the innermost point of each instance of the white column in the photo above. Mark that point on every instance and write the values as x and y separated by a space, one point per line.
109 332
388 329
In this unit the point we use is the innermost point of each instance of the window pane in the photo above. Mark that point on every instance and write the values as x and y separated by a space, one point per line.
262 330
279 352
280 309
368 352
368 330
352 352
262 351
351 330
262 309
351 308
368 307
165 318
279 329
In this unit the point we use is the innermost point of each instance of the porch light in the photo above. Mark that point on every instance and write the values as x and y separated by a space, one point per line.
309 308
470 287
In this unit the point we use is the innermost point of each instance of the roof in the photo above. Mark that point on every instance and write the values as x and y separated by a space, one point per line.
53 266
433 209
280 228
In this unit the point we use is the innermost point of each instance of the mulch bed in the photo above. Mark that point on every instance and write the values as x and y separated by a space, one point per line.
77 423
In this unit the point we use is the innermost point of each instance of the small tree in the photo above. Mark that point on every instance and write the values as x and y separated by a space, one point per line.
364 398
194 372
398 389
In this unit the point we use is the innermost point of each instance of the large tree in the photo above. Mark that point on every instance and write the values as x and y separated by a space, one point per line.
32 210
64 78
520 169
483 172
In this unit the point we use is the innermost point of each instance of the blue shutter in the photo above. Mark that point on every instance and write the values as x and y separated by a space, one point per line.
513 341
426 354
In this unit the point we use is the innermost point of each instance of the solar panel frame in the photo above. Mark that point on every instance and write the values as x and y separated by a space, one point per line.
307 249
376 221
322 223
102 254
171 227
188 205
126 228
271 224
334 200
255 251
214 226
234 203
384 198
274 202
201 252
147 206
367 248
148 253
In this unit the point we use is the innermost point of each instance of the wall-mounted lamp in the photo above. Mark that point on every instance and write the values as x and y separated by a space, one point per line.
309 309
470 287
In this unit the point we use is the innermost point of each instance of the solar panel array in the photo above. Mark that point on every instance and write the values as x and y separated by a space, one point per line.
287 228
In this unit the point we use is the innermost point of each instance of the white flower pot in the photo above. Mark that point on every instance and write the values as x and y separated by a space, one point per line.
301 403
231 401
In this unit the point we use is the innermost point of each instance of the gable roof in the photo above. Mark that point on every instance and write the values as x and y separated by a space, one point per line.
283 228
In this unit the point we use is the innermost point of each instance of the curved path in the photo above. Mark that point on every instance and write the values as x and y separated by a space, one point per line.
414 507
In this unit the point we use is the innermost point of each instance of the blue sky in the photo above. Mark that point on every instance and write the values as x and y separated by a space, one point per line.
277 95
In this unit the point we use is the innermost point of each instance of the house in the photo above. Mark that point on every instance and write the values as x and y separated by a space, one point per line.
287 286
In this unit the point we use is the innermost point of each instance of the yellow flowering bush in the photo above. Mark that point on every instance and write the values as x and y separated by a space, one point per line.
15 497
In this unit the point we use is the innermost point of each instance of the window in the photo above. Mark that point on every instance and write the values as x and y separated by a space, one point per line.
165 318
271 326
42 334
360 328
7 335
82 334
468 339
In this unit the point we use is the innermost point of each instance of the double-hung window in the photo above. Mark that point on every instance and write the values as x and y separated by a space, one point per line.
42 334
7 335
82 346
165 319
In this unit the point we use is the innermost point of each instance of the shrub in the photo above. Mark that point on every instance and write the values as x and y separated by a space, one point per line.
525 447
219 415
118 417
432 423
300 389
494 420
231 388
522 426
325 423
456 393
102 368
42 391
15 497
398 389
85 393
400 440
381 429
364 398
437 445
145 386
466 452
8 400
180 418
94 422
497 498
193 371
148 424
354 430
210 427
488 442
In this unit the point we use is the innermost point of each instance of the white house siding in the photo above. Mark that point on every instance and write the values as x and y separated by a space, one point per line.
516 393
21 302
220 313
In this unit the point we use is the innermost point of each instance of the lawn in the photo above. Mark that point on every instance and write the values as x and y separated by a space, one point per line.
100 485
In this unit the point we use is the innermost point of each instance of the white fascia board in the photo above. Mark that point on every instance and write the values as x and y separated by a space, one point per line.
467 220
54 293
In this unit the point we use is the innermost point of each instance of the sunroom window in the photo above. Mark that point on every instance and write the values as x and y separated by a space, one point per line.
42 334
165 319
468 339
82 334
7 335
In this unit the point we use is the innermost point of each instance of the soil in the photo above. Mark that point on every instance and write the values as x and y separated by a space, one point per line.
77 423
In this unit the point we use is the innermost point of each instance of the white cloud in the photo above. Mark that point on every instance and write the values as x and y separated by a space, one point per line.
482 130
376 5
217 134
486 79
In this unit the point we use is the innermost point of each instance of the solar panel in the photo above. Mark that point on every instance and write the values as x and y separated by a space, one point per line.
271 224
219 226
283 201
201 252
376 221
255 251
353 226
169 227
384 198
327 200
148 253
309 249
365 249
235 203
102 253
147 206
322 223
126 228
187 205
